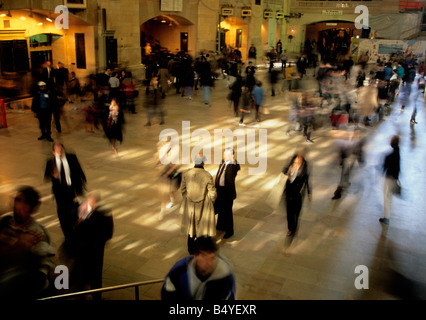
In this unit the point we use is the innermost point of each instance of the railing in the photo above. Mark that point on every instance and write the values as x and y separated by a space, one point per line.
136 285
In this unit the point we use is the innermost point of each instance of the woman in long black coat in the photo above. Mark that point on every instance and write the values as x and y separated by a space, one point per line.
114 125
297 183
236 88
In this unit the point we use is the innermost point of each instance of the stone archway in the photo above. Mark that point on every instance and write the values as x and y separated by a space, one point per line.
332 38
168 33
235 33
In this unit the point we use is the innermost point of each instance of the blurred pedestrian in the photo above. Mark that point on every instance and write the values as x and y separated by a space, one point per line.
236 90
68 180
391 170
114 86
25 250
153 104
128 93
350 146
48 75
169 179
206 275
94 226
114 125
164 80
73 88
258 98
302 64
246 101
297 172
273 79
206 79
62 77
252 54
284 59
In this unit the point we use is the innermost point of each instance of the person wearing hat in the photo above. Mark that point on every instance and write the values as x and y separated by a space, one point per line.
198 197
42 106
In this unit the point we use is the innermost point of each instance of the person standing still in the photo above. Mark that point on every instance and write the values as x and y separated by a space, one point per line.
226 192
42 106
198 197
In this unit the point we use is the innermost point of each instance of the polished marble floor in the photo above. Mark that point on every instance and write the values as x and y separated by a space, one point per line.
319 263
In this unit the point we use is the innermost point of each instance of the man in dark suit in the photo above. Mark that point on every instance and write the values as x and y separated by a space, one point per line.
93 227
226 193
48 75
68 181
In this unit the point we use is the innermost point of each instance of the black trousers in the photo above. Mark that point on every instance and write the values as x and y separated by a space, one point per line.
45 120
64 197
191 245
294 206
223 208
88 267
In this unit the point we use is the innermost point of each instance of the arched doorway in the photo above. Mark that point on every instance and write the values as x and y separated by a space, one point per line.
234 34
168 34
330 40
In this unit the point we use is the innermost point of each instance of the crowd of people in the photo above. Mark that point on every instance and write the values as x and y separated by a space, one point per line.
345 95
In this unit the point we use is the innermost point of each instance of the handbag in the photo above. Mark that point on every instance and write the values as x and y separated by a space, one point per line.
274 198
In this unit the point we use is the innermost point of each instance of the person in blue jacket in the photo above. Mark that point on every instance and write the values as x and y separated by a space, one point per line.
258 97
205 275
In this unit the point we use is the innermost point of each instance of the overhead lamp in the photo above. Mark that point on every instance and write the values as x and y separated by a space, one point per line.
49 18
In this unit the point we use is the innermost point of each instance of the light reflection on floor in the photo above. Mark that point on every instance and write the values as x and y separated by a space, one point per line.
334 236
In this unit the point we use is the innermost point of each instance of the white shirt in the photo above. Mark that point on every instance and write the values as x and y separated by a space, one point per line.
66 167
222 177
114 82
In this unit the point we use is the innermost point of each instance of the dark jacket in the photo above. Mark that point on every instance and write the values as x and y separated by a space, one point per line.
301 182
206 77
78 178
95 231
231 171
36 103
391 165
220 285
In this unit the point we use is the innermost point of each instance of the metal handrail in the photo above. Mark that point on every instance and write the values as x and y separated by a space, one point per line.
100 290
